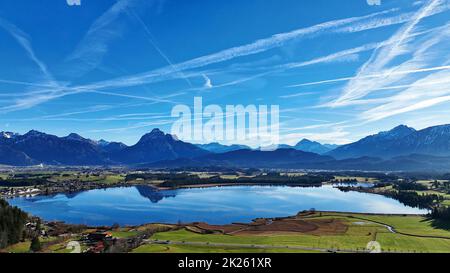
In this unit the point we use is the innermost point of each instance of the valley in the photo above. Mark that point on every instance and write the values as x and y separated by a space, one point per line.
166 195
310 230
307 232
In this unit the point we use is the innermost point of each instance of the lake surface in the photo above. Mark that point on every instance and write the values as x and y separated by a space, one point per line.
217 205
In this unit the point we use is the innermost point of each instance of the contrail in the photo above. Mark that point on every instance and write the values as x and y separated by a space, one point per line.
151 40
22 38
437 68
384 55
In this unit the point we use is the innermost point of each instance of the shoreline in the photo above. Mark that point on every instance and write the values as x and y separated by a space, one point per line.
304 214
206 186
255 220
41 191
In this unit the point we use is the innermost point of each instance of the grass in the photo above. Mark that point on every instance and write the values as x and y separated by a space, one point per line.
359 233
4 176
417 225
112 179
229 177
22 247
59 248
103 178
151 248
62 248
356 239
122 234
401 243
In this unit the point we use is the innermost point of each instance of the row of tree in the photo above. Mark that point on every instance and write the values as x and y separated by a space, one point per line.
413 199
12 224
441 213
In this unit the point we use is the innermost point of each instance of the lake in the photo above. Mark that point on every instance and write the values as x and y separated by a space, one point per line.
216 205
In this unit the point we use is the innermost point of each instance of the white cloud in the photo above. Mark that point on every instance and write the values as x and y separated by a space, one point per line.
208 83
414 98
375 76
94 45
23 40
383 56
90 51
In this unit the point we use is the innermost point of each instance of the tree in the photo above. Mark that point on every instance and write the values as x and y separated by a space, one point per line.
35 245
12 223
435 184
38 225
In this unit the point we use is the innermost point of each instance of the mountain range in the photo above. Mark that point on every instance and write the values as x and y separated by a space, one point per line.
35 148
402 148
305 145
294 159
400 141
218 148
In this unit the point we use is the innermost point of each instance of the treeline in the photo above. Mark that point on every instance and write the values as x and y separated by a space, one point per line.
31 175
12 224
307 180
183 179
276 178
382 177
441 213
159 176
21 182
405 186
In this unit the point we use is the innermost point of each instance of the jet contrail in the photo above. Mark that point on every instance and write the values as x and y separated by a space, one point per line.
445 67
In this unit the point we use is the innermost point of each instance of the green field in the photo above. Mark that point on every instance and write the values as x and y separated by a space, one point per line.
122 234
361 230
22 247
103 178
359 233
152 248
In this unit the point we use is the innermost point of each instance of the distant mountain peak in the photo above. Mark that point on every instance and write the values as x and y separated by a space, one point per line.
157 146
157 135
103 142
156 131
8 135
216 147
306 141
154 134
399 131
74 136
307 145
34 133
403 128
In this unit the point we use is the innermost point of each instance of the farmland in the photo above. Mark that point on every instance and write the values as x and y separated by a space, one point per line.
361 229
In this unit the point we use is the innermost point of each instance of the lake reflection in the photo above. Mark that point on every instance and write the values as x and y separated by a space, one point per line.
217 205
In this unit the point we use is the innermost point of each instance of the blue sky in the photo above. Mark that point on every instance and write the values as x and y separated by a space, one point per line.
339 70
